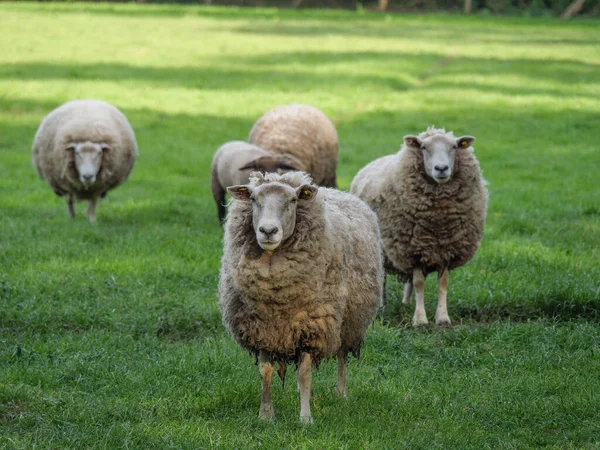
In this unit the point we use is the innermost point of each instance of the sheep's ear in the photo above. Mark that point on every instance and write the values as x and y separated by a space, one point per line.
465 141
251 165
240 192
284 166
306 192
412 141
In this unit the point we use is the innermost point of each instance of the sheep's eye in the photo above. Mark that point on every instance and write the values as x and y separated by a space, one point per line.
105 149
294 200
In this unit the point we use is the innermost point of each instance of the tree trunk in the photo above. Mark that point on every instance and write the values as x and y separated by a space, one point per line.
572 9
382 5
468 6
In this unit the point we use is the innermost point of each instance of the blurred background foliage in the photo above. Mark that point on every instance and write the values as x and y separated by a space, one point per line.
564 8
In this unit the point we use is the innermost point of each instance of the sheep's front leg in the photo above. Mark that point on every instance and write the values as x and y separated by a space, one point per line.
70 207
305 384
342 359
408 288
441 314
420 318
266 376
91 209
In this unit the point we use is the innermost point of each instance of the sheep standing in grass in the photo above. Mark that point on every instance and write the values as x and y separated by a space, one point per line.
83 149
304 132
431 202
301 277
233 163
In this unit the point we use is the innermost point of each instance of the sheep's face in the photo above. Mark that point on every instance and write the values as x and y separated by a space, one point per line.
273 209
88 160
439 153
269 164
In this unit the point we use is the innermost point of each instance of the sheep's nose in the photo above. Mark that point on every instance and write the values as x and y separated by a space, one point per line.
268 230
441 168
88 177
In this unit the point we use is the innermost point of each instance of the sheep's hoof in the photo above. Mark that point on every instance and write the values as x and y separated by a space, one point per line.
442 320
341 392
266 413
420 320
306 419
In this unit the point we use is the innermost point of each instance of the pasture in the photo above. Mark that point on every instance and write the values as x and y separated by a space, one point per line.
110 335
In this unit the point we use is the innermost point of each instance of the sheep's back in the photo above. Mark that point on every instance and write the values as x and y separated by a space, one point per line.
230 157
304 132
355 225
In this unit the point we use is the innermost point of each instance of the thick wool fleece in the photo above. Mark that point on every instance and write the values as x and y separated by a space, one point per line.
81 121
424 224
304 132
318 292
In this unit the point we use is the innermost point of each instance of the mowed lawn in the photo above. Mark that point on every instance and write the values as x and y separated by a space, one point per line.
110 334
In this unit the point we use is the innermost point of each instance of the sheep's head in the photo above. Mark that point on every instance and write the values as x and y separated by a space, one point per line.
88 159
439 152
274 208
273 164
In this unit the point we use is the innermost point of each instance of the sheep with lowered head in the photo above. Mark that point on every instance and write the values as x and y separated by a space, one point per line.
431 201
304 132
301 277
233 163
83 149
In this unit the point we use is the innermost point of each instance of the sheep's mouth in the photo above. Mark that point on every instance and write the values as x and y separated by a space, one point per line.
442 180
269 245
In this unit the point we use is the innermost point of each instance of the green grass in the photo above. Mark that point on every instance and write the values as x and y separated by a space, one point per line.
110 335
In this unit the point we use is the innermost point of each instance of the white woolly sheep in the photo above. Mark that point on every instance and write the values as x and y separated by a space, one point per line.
83 149
431 201
301 277
302 131
233 163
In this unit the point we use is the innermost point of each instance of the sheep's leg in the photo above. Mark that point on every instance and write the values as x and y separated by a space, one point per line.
91 209
219 195
408 288
342 359
441 314
266 376
420 318
305 382
70 207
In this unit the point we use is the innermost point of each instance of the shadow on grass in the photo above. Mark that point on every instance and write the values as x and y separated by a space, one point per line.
265 78
266 73
557 308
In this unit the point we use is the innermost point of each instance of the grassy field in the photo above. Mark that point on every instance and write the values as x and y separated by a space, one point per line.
110 335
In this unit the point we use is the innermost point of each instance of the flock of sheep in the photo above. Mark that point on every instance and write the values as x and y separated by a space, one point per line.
303 269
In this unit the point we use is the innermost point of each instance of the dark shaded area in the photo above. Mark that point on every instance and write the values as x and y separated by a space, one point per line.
560 309
496 7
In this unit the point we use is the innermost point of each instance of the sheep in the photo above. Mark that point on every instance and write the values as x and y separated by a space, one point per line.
233 163
431 201
83 149
302 131
301 277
